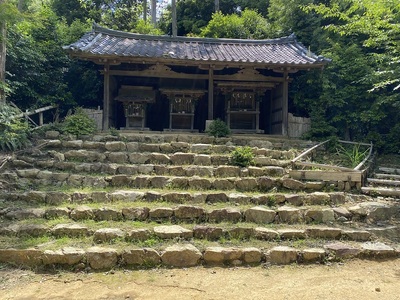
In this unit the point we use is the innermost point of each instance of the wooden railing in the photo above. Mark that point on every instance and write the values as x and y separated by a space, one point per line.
330 172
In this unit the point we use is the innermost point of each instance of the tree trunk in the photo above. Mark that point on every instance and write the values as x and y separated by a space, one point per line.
145 10
154 12
174 25
216 5
3 36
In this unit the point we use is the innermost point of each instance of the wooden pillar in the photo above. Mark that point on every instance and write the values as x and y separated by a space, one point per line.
210 94
285 104
174 22
106 98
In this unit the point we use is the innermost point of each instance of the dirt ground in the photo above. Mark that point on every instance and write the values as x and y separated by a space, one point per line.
355 279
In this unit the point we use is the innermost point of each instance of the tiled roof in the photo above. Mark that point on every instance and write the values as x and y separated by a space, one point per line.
102 42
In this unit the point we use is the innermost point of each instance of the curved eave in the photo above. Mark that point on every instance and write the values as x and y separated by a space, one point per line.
102 59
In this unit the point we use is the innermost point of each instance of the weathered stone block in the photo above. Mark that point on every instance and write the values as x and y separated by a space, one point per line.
246 184
101 258
71 230
224 184
67 256
149 147
341 250
115 146
172 231
141 234
241 233
159 158
260 215
289 215
202 160
227 171
317 198
282 255
199 183
251 255
225 215
181 256
292 234
126 196
293 184
217 197
262 233
177 197
239 198
326 233
34 230
357 235
319 215
313 255
266 183
21 257
141 182
207 232
189 213
136 213
161 213
82 213
141 257
179 182
182 158
57 212
107 214
107 235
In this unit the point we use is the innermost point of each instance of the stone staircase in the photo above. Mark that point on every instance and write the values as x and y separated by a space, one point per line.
144 200
384 182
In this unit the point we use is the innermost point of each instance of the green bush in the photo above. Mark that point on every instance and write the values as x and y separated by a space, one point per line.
242 156
218 128
14 131
79 123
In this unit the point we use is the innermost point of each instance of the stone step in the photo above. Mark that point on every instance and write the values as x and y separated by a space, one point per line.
370 212
381 191
76 196
383 182
36 177
386 176
188 255
221 171
389 170
49 158
117 232
262 147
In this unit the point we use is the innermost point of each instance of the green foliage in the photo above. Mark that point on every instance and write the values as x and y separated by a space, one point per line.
146 27
218 128
13 130
242 157
351 155
249 25
79 123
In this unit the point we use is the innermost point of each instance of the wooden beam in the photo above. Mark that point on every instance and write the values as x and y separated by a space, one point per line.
308 151
323 166
177 75
325 175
